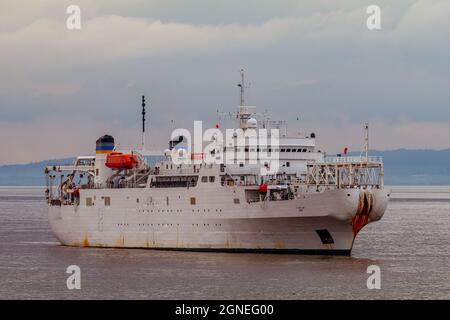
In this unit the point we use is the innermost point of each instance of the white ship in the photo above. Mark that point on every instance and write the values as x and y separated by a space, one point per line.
311 204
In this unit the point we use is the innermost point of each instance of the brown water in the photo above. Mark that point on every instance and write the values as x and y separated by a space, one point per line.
411 245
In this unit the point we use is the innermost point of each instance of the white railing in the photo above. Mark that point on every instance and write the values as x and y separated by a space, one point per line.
354 159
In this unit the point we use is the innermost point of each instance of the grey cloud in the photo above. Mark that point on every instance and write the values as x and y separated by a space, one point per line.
310 59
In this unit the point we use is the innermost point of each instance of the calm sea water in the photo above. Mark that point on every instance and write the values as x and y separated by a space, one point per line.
411 245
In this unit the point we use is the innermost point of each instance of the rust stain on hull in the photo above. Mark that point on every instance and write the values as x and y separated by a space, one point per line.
120 242
280 245
362 215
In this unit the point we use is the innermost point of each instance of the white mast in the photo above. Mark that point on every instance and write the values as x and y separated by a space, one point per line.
244 114
242 85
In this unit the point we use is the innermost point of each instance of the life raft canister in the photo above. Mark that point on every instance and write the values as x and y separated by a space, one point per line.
262 188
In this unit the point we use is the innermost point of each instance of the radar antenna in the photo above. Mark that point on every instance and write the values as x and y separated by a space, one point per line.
366 138
143 122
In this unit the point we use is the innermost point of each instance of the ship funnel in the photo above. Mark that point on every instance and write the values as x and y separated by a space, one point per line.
103 146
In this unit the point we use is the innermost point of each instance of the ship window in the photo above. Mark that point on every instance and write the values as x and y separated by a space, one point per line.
212 178
88 202
241 164
282 150
325 236
137 200
236 201
288 150
96 172
304 150
288 164
204 179
193 200
107 201
270 149
246 149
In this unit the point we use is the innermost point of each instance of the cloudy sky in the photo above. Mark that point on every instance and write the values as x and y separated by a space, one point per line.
313 59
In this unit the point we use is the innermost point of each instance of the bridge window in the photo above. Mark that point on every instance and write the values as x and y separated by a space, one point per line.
107 201
236 200
212 178
193 200
204 179
88 202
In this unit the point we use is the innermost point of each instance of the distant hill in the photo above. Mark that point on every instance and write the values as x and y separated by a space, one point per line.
416 167
402 167
31 174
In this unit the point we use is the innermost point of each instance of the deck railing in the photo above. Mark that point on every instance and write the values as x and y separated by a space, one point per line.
354 159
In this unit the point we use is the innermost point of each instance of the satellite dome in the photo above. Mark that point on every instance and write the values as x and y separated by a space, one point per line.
252 123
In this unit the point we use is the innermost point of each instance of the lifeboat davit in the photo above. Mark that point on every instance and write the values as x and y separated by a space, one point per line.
118 160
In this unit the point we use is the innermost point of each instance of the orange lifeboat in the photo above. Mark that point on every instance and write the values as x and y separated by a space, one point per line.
118 160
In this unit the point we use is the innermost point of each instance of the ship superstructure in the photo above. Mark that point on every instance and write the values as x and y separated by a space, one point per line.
311 203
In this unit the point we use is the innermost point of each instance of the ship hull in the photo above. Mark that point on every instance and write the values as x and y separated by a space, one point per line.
313 224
